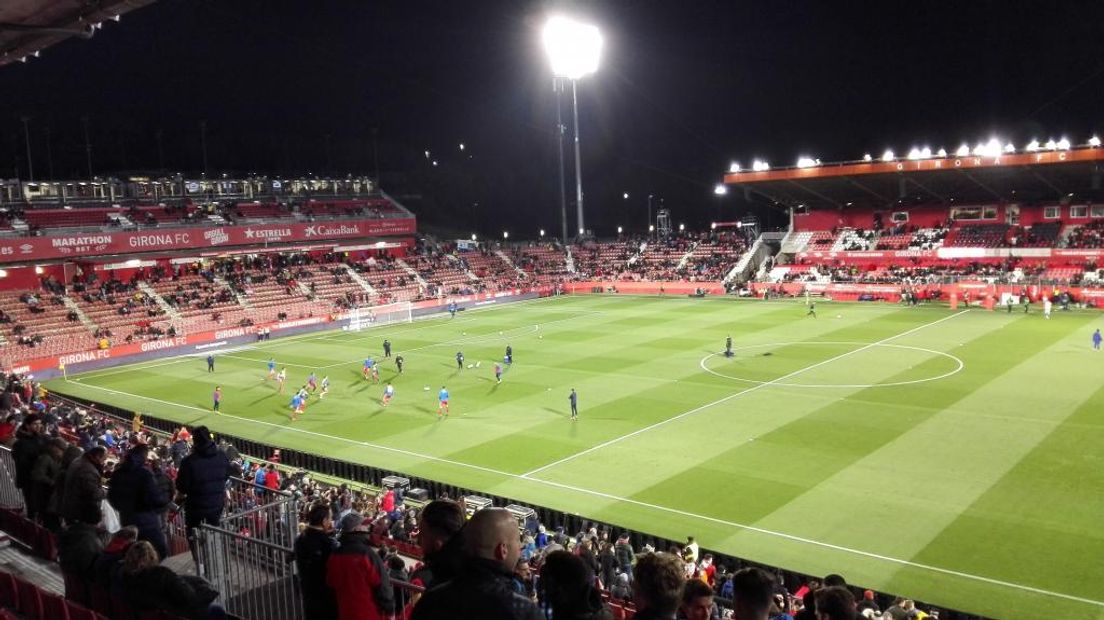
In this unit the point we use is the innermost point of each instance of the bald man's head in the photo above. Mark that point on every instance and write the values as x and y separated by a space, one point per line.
492 534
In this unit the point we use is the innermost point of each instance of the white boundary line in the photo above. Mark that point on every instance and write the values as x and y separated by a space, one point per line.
957 360
754 388
667 509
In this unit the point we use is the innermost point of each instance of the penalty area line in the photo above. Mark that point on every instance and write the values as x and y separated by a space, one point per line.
657 507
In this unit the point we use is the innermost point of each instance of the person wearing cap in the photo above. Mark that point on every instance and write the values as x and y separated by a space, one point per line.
868 602
357 575
134 492
202 482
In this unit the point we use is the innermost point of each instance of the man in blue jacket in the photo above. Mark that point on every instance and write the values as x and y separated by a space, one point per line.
135 494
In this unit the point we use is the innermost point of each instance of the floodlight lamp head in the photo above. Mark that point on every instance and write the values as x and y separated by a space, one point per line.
572 47
720 189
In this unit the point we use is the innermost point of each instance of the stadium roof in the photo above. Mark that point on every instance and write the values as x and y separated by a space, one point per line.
29 26
1043 176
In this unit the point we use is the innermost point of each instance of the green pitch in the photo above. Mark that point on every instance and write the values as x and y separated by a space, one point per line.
954 457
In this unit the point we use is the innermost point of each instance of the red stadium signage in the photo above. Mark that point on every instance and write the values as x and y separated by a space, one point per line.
159 240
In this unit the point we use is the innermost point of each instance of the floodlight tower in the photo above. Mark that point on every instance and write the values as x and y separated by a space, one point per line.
573 50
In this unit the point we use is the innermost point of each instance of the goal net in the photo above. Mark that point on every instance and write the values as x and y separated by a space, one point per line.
364 318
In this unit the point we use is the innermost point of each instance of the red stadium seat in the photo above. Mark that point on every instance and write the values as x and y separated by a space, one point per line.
53 606
76 588
80 612
8 595
29 599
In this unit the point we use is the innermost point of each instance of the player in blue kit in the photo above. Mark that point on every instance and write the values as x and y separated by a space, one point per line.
442 402
1096 340
296 407
369 364
271 368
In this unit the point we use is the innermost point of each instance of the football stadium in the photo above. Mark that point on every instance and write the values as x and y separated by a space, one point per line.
867 387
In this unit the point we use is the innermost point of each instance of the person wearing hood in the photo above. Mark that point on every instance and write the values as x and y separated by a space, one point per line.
134 492
357 575
567 585
202 481
29 444
53 506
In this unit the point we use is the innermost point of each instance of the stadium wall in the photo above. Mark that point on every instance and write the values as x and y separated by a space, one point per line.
977 290
203 342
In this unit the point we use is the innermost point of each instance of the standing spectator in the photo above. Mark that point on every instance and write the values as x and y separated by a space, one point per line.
202 482
29 444
657 586
271 478
482 589
835 603
312 551
178 449
83 495
357 575
697 602
134 492
691 548
53 506
607 563
567 583
439 524
625 555
43 477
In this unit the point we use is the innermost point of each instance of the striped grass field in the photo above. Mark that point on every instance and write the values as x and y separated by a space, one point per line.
951 456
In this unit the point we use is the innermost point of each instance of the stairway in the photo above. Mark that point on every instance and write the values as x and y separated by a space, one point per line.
360 280
243 301
460 265
407 268
160 301
686 257
87 322
506 259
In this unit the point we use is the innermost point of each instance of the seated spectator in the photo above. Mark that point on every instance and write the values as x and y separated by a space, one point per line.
150 586
657 584
107 564
568 589
697 602
752 593
482 590
835 603
78 547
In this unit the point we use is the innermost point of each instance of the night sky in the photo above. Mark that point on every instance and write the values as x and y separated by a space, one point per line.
684 88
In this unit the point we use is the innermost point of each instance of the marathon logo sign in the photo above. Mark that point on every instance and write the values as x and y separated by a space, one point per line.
82 244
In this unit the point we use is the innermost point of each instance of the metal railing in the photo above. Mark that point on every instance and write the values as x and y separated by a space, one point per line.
10 496
255 579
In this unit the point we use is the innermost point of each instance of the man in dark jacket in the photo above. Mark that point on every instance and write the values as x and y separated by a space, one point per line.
356 573
202 482
483 589
29 444
83 492
312 551
439 524
134 492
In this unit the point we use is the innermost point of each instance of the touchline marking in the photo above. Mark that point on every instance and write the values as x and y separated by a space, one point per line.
675 511
719 401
